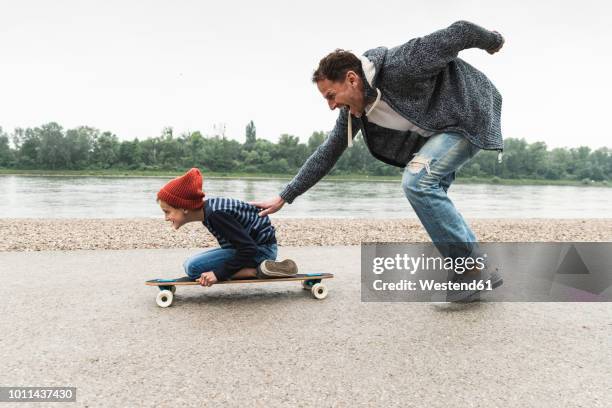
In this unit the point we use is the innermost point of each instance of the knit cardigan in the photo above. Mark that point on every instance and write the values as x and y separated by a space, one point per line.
425 82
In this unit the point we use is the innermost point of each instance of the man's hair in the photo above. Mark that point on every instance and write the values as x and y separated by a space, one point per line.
335 65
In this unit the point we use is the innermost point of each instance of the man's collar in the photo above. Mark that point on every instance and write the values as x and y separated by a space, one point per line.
368 92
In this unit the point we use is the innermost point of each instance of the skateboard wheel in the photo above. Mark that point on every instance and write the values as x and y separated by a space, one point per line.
164 298
171 288
319 291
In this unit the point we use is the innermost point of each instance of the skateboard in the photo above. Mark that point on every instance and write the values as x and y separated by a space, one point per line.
310 281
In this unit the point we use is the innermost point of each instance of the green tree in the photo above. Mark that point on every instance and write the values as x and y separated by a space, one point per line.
79 145
580 166
315 140
292 151
602 164
149 153
6 154
251 136
53 153
48 147
536 160
357 159
170 150
266 151
28 142
221 154
194 149
558 160
515 154
130 154
105 153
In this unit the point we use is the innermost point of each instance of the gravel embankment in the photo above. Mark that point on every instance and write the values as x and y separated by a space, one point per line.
71 234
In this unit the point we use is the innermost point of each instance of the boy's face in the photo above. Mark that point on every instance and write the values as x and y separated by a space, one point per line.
176 215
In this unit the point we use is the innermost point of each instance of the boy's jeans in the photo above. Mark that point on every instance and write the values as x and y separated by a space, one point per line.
426 181
212 260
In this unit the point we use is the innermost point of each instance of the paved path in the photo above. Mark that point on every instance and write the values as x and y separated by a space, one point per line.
86 319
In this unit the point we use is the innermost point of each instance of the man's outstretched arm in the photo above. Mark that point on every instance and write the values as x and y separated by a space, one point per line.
426 56
320 162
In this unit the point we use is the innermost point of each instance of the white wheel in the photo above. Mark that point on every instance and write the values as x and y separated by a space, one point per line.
319 291
164 298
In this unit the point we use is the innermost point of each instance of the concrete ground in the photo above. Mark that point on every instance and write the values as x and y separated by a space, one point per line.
86 319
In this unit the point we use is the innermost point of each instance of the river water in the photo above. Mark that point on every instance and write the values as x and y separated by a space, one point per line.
108 197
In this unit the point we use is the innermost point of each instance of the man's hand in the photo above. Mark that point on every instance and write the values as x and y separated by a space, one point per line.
269 206
207 279
500 46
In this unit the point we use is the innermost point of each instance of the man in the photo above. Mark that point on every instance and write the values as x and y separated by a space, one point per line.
418 106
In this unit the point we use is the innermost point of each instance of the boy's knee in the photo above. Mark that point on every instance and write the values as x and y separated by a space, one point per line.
189 269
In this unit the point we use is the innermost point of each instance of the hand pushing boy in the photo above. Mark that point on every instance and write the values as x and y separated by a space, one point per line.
247 242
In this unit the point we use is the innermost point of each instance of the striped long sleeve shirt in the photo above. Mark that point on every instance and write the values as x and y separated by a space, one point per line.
236 224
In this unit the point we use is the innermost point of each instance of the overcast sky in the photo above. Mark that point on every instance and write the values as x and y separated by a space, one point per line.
135 67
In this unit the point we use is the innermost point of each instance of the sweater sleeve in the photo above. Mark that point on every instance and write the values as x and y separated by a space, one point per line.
426 56
246 249
322 160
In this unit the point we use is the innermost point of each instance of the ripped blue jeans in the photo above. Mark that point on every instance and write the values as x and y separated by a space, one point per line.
426 181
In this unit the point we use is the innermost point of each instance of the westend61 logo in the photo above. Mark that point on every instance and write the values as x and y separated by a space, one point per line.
500 271
413 264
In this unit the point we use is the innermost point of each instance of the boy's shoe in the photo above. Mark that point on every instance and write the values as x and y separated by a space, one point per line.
273 269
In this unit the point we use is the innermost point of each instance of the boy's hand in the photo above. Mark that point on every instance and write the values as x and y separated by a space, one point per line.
269 206
207 279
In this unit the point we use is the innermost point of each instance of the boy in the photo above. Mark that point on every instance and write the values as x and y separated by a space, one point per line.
247 242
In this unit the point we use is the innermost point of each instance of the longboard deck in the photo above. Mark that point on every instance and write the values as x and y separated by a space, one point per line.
298 277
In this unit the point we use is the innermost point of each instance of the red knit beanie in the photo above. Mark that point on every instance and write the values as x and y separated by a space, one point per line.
184 191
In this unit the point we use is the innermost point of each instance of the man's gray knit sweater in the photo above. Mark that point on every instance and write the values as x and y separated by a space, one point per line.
425 82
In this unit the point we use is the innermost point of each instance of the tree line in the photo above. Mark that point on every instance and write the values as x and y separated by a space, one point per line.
50 147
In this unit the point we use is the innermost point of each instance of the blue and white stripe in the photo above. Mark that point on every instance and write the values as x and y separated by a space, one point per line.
259 228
